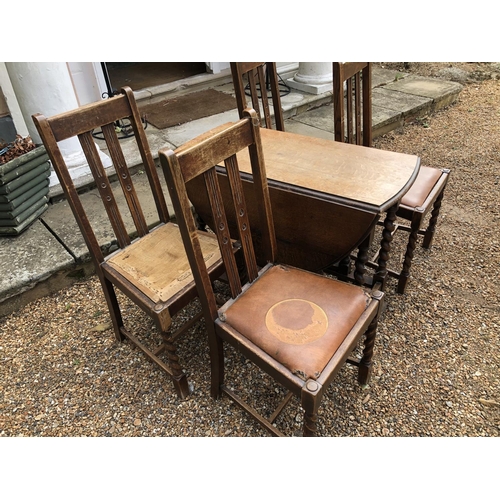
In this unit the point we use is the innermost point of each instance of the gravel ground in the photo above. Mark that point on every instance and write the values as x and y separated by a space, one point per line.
436 358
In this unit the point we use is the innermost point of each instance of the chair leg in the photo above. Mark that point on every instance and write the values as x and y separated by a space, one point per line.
310 428
429 232
113 307
310 399
404 275
179 378
361 260
216 362
366 363
385 246
344 268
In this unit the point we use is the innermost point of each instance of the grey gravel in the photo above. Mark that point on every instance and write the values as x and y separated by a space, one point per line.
436 358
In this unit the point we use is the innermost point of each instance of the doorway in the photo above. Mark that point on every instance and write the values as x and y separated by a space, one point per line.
140 75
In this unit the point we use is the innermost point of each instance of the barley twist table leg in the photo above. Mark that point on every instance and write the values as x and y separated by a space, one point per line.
385 246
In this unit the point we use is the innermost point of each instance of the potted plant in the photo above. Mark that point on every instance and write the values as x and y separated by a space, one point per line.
24 184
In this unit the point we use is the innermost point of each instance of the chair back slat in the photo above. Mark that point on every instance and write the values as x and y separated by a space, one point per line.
104 187
123 173
221 228
146 156
349 113
352 107
259 76
357 106
241 213
252 84
263 94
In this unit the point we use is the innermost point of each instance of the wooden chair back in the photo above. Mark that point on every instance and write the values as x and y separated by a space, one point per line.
260 78
352 102
198 158
82 123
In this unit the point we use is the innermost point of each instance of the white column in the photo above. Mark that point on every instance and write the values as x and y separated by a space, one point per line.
313 77
12 104
216 67
47 88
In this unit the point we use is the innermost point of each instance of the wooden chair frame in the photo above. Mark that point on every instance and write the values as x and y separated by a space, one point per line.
164 236
199 158
353 124
255 74
349 112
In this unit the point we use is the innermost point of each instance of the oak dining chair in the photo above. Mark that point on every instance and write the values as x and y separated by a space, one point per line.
260 78
352 114
150 266
298 327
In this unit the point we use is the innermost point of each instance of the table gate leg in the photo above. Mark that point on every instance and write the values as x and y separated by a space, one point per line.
385 246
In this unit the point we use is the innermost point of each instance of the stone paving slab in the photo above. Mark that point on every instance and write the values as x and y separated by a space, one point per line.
401 102
384 120
180 134
321 120
382 76
442 92
28 259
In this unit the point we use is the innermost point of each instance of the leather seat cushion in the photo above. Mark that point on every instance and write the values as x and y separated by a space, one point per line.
425 181
299 318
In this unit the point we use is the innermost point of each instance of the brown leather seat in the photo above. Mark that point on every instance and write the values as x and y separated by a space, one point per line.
289 314
426 179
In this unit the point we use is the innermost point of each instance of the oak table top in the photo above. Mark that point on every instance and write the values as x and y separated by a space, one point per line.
368 178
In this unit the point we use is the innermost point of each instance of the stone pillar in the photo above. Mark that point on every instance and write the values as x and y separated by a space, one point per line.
47 88
313 77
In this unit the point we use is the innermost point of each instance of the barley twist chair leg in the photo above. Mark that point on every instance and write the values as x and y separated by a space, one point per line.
366 362
310 428
385 246
344 268
179 378
361 259
404 276
431 229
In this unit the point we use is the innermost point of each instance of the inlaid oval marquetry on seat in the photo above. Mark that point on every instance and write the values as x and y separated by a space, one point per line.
296 321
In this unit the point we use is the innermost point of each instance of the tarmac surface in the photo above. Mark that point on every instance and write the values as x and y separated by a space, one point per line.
51 254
